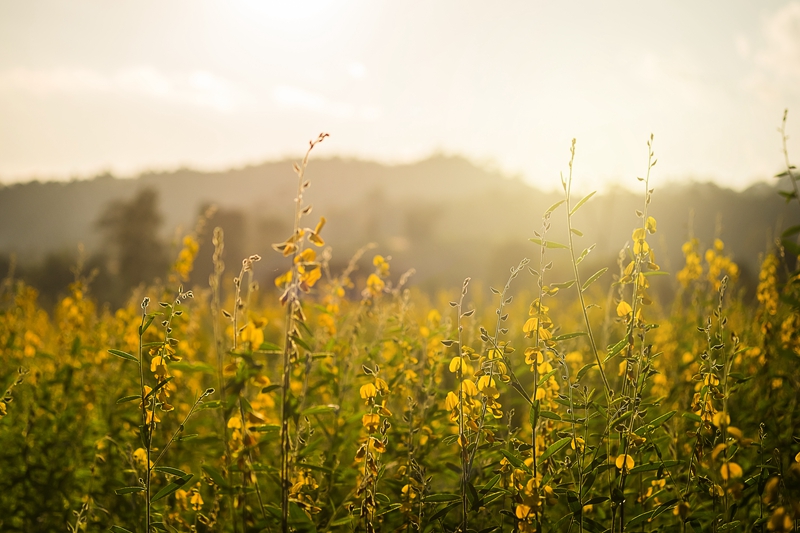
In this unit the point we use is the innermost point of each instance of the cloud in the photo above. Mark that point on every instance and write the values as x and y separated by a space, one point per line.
677 76
289 97
776 62
198 88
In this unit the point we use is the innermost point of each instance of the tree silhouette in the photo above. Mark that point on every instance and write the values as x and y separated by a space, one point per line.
131 235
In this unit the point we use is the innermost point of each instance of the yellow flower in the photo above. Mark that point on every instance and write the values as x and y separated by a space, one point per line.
522 511
624 462
368 392
314 235
469 387
530 326
381 386
624 309
140 456
371 421
283 279
375 285
730 471
253 335
381 266
533 356
451 402
196 501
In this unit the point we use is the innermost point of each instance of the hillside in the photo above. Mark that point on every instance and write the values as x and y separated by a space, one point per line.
430 215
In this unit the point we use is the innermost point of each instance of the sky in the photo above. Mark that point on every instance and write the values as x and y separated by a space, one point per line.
90 86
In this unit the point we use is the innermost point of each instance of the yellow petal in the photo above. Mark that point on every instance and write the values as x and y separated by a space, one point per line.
320 225
625 461
731 471
451 402
368 391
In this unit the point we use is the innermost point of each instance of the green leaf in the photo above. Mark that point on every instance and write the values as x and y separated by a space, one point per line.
183 366
791 231
576 232
491 483
584 370
548 244
553 448
129 398
269 347
547 376
583 255
267 428
636 520
661 419
300 342
792 247
554 207
143 328
388 509
652 273
474 499
188 436
567 336
343 521
615 349
442 512
693 417
172 487
123 355
565 285
270 388
118 529
215 475
593 278
128 490
649 467
533 413
320 409
170 470
514 460
549 414
441 497
318 468
298 517
158 387
152 344
624 416
583 201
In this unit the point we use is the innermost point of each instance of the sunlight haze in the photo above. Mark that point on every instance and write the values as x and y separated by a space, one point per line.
91 86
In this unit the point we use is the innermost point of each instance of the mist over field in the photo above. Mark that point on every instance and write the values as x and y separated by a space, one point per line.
362 266
428 216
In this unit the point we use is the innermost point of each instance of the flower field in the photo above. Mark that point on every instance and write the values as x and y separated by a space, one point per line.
349 400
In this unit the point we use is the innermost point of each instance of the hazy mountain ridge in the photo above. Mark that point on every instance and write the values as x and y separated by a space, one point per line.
444 216
37 217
